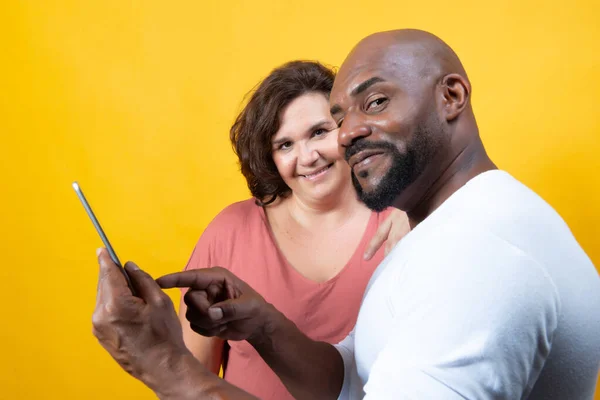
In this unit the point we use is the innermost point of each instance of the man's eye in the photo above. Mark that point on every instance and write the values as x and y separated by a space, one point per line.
376 103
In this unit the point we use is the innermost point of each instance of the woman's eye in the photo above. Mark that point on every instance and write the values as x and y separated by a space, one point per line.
285 145
320 132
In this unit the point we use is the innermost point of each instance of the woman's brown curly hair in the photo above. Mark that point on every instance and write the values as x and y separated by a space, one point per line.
260 119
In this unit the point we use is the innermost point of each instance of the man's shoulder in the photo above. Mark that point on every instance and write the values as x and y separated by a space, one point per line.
466 250
496 197
462 264
453 239
493 215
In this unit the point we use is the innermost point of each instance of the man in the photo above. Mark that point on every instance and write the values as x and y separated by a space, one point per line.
488 297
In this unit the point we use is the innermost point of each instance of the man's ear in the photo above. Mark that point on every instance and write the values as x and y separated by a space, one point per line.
456 91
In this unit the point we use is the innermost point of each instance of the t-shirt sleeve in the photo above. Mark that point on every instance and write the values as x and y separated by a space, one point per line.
215 244
203 253
473 318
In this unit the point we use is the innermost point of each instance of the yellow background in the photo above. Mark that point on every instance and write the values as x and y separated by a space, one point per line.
134 100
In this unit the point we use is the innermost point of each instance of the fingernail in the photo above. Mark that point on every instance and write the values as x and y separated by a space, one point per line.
366 256
132 266
215 313
98 251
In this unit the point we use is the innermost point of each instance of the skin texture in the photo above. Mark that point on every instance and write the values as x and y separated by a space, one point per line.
401 98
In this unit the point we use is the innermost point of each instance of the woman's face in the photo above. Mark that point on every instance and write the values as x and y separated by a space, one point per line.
305 150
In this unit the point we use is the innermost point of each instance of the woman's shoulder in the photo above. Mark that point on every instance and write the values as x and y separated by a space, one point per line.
238 214
218 238
239 209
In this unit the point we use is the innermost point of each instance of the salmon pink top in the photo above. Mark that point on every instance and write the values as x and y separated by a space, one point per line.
240 239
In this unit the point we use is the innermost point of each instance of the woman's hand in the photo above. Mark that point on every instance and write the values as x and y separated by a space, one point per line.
394 228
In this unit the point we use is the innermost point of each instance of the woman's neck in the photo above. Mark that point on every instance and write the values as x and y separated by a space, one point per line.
331 212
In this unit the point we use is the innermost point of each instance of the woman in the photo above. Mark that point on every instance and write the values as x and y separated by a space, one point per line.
300 241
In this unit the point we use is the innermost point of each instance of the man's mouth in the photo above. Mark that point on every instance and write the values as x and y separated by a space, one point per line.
317 173
362 157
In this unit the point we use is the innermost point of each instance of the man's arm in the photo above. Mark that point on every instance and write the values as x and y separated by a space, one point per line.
183 377
220 304
309 369
299 362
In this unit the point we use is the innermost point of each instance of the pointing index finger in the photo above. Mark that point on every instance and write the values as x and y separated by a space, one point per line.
194 279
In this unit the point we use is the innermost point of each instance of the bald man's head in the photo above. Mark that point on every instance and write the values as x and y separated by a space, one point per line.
400 98
413 54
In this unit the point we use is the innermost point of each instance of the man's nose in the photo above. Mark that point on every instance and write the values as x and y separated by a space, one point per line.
352 129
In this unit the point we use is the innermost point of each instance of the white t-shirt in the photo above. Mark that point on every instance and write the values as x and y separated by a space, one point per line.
490 297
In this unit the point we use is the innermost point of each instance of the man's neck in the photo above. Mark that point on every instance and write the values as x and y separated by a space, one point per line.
434 187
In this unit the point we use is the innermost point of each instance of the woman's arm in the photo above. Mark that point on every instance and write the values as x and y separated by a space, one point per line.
207 350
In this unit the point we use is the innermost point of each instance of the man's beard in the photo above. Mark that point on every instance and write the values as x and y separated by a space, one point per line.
397 178
405 168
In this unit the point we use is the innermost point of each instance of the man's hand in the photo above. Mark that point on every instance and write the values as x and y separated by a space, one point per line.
220 304
143 334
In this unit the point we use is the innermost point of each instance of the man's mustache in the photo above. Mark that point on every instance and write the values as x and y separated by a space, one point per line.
363 144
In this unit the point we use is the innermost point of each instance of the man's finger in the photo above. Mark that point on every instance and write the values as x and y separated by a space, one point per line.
143 284
196 318
380 236
194 279
197 300
232 310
